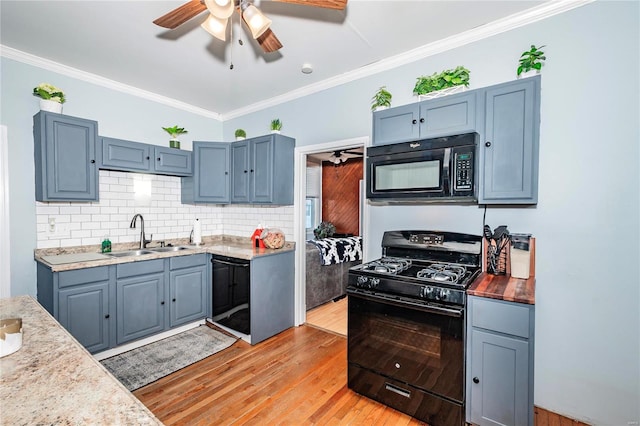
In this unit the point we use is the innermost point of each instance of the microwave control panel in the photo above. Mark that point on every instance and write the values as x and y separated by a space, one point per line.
463 171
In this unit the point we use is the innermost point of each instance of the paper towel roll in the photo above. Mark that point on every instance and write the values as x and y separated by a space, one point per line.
197 232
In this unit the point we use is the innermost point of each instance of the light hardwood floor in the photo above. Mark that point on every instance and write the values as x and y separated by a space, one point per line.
331 316
298 377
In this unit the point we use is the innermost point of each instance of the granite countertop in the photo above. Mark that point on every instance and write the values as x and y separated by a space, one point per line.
224 245
53 380
504 287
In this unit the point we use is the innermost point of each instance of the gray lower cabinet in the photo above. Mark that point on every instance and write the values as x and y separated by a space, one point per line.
107 306
65 157
509 146
140 300
271 299
129 156
500 349
210 181
188 289
262 170
449 115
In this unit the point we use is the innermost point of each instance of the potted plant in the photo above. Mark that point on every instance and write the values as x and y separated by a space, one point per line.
381 99
443 83
240 134
174 131
324 230
51 97
531 60
276 125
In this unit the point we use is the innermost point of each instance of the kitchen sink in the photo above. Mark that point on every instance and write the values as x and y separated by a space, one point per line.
129 253
167 249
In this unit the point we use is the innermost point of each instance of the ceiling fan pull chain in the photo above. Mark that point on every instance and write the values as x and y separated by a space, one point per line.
231 51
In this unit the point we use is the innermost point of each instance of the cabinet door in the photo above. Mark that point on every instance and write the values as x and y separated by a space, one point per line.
399 124
240 172
449 115
210 181
509 153
84 312
499 388
261 171
65 157
188 288
118 154
140 307
172 161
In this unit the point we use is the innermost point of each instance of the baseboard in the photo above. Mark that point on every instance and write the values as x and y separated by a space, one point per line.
544 417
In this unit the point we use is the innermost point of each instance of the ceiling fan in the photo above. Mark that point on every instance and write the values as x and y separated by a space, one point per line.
337 157
220 12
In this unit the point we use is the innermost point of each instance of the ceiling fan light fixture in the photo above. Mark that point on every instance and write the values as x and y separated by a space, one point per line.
221 9
255 20
216 27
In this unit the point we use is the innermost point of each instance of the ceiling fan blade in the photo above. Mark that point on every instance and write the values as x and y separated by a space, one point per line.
180 15
269 42
328 4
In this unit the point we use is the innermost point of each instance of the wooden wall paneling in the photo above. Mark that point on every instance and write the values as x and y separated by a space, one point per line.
341 195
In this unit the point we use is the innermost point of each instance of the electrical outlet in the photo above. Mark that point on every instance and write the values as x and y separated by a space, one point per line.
52 225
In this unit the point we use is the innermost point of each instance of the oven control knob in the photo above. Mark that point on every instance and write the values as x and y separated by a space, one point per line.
427 292
362 281
374 282
443 294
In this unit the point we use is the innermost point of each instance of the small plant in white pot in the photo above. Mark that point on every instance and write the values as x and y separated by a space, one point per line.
381 99
174 131
531 61
240 134
51 97
276 125
444 83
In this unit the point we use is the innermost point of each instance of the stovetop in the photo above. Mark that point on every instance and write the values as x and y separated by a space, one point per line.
424 266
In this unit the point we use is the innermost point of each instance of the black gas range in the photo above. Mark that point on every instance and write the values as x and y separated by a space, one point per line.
406 331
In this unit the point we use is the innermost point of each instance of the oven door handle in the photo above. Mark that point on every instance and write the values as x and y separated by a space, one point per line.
440 310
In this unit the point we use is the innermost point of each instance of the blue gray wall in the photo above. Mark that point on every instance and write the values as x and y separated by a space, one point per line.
587 356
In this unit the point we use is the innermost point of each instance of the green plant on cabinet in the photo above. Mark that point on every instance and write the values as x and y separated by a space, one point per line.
276 125
443 80
382 98
240 134
531 59
174 132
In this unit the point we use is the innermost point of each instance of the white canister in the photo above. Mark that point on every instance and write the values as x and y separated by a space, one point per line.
520 255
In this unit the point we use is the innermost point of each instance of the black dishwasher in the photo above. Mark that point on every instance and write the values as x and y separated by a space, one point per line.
231 293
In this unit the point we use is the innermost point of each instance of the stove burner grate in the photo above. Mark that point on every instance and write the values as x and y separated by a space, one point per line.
389 265
443 273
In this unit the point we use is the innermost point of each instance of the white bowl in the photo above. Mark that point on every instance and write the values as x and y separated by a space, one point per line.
10 336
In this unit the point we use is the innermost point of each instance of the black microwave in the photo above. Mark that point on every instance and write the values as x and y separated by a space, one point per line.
441 169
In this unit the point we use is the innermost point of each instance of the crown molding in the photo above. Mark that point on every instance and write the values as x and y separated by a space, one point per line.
36 61
538 13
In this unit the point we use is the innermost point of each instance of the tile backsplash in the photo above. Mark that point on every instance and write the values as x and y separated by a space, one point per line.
157 199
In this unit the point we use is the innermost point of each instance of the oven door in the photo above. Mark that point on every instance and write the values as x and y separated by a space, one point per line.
420 346
407 175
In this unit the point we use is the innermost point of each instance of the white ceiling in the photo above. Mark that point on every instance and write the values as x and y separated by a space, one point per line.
117 40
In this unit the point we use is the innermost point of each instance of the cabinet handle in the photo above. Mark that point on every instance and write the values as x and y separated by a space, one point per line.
422 120
162 303
158 158
245 171
226 173
93 161
251 170
173 300
148 158
476 380
106 316
414 121
487 144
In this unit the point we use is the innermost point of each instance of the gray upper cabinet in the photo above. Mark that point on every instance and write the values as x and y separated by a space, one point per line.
449 115
129 156
262 170
210 181
65 157
509 149
500 363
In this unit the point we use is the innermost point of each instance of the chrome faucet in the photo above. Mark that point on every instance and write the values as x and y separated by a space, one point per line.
143 238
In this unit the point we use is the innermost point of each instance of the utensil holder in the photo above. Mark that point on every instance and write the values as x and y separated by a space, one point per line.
496 261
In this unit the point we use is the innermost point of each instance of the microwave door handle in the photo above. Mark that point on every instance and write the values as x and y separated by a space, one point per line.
446 162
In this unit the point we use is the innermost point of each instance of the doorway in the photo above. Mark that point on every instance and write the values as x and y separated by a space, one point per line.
302 154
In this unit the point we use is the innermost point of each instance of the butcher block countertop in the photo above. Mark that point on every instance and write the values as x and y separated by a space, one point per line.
53 380
504 287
